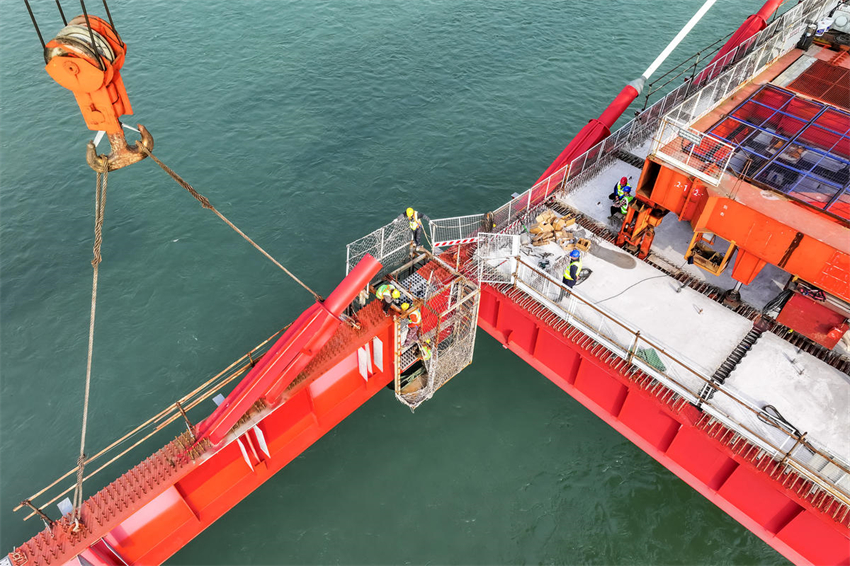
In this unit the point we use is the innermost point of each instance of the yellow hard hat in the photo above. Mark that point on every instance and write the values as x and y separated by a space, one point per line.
404 306
427 340
409 212
396 294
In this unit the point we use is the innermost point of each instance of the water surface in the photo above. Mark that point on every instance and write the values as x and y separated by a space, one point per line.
310 124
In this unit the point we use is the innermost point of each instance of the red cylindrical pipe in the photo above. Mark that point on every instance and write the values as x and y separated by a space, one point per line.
353 283
618 106
751 26
594 131
289 355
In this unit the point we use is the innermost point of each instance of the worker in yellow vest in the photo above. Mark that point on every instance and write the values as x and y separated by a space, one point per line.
414 222
388 294
571 272
620 189
621 204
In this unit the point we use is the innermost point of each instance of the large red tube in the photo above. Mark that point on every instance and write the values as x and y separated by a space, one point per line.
594 131
289 355
751 26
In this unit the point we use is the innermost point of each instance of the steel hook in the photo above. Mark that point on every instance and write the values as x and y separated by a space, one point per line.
122 153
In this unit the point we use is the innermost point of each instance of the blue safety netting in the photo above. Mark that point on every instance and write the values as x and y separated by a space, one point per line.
793 145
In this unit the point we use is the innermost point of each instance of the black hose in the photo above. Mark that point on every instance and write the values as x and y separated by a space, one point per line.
771 415
778 301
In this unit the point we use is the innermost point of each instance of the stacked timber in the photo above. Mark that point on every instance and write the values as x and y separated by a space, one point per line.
551 228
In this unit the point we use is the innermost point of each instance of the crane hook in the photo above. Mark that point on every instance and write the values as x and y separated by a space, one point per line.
122 153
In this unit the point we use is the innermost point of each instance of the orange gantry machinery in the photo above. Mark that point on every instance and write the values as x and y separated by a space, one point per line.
783 199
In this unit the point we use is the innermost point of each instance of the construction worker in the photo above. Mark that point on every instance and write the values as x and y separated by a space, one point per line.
571 272
404 330
425 350
619 190
387 293
414 321
621 205
414 221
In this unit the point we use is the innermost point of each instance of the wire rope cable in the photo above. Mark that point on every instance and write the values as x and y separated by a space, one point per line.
101 179
206 204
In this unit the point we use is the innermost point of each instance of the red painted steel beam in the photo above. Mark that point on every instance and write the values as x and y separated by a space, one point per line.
789 524
289 355
751 26
144 518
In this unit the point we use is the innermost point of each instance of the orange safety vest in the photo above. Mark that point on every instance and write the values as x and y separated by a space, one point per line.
414 318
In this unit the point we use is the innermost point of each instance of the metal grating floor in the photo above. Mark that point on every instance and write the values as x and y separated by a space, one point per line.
795 146
416 284
826 82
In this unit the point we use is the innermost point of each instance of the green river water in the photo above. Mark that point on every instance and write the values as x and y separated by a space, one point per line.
309 124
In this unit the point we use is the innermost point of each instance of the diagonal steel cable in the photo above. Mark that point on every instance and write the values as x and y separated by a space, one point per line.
206 204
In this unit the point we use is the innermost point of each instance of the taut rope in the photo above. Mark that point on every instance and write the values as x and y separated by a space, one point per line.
99 207
206 204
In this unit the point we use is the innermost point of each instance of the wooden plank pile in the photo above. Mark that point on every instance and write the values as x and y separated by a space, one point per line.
553 228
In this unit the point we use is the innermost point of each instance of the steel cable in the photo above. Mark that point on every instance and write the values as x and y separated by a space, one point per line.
99 208
206 204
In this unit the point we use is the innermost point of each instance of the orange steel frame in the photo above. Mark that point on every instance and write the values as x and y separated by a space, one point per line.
804 242
761 239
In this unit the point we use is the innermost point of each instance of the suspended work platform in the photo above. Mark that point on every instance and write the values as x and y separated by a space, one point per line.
432 350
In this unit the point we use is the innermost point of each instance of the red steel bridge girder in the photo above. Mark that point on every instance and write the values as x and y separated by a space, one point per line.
765 504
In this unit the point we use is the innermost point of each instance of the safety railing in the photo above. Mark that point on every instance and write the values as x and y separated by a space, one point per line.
725 84
690 150
496 257
389 244
686 379
166 421
458 230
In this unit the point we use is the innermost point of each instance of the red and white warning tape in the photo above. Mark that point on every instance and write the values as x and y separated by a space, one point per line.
448 243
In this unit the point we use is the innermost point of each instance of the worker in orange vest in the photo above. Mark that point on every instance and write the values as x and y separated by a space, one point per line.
414 322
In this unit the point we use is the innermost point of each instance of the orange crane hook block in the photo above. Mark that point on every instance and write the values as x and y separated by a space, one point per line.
86 57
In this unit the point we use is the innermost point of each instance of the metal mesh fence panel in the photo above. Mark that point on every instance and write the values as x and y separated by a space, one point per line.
496 257
389 244
458 230
700 154
450 323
